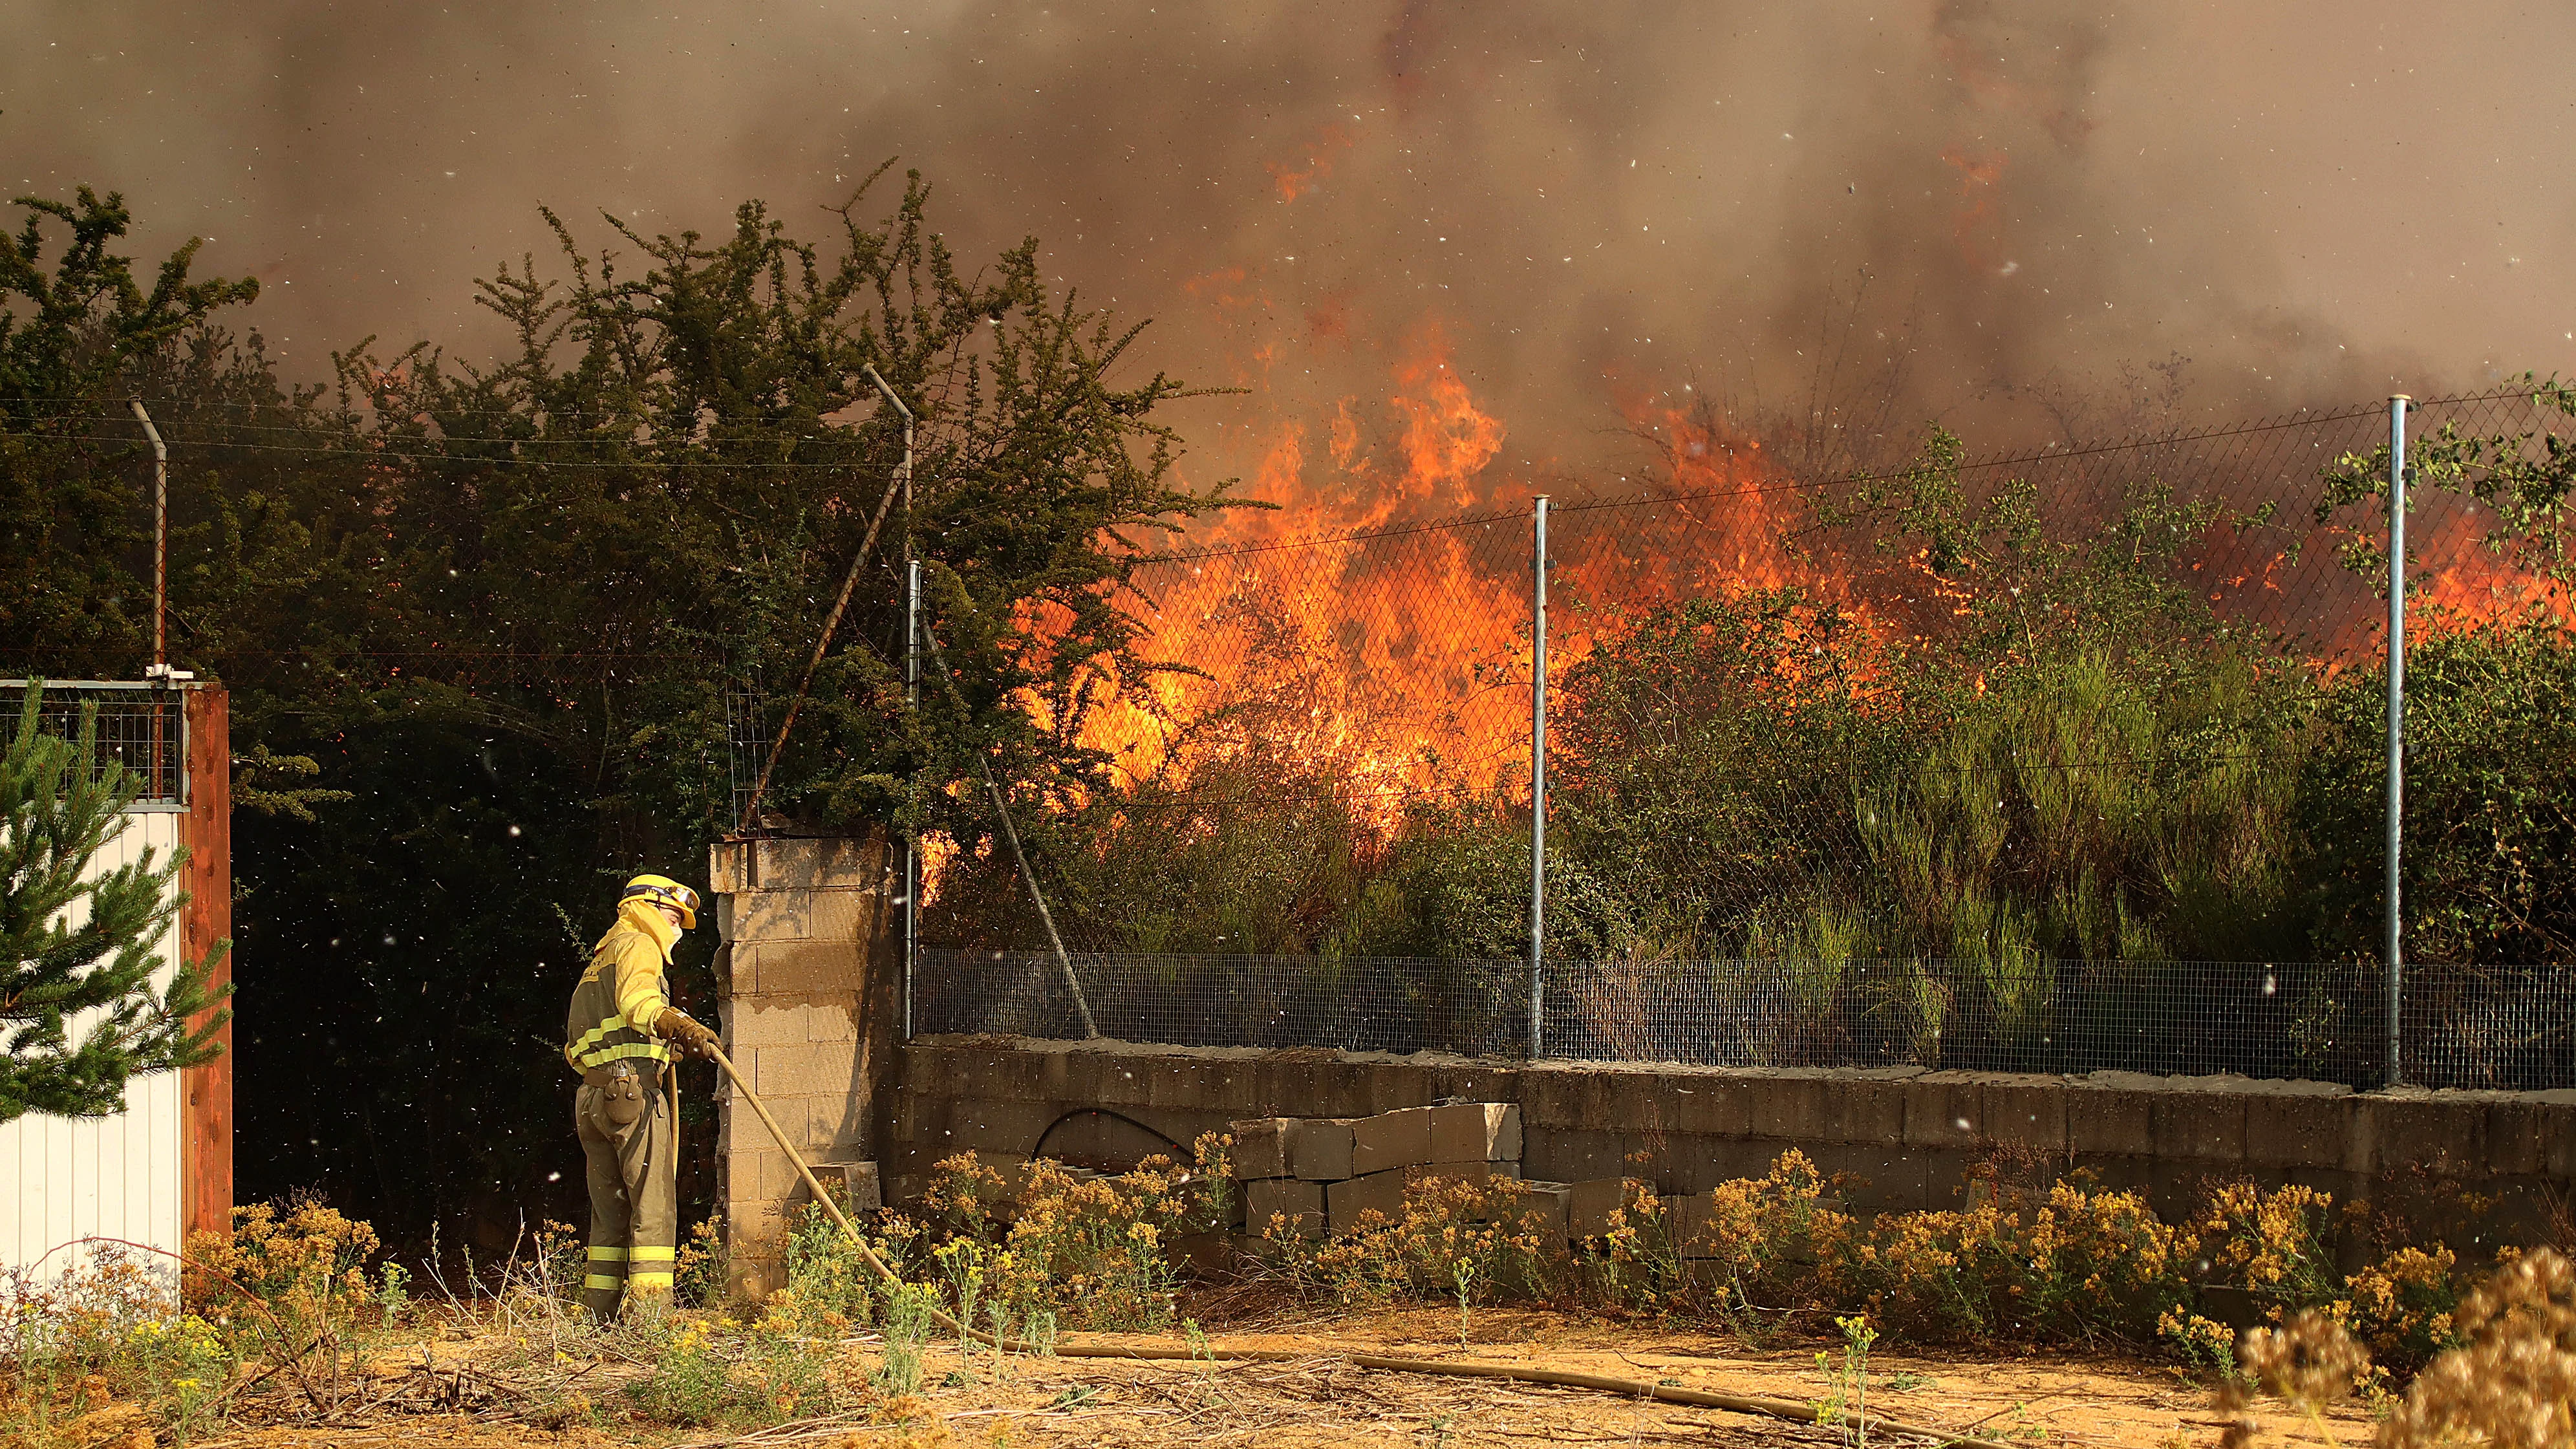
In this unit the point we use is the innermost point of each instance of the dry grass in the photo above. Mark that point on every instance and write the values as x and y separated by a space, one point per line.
1317 1399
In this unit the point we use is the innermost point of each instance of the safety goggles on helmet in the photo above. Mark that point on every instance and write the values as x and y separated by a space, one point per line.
661 890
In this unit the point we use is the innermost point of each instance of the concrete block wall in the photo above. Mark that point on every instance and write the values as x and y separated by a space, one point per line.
1904 1138
804 925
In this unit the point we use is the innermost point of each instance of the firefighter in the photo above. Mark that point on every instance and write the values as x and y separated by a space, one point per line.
621 1035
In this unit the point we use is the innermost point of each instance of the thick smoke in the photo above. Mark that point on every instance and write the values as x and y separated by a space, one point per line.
1965 208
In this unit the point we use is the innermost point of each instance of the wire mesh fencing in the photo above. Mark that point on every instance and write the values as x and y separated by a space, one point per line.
138 727
2475 1027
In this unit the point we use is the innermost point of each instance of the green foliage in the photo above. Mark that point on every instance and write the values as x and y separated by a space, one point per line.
74 942
2525 477
2490 800
74 515
482 625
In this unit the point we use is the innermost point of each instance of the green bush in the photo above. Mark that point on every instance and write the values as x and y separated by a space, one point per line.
2490 800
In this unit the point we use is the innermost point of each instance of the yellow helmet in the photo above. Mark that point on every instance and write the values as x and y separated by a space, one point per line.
661 890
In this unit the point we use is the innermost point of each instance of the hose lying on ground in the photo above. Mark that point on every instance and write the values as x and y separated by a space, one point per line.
1790 1409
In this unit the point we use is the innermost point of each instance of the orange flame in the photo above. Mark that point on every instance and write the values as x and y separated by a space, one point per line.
1294 182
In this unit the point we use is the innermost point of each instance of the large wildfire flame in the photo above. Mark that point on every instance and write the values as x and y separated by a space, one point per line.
1398 662
1374 627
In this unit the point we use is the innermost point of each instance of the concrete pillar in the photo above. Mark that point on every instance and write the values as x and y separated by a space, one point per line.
808 973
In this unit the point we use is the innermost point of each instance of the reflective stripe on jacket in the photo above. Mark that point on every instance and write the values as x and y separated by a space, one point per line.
623 993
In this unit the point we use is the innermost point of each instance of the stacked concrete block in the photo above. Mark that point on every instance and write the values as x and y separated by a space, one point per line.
797 918
1296 1204
1591 1207
1475 1132
1323 1174
1686 1223
1261 1148
1322 1149
1391 1140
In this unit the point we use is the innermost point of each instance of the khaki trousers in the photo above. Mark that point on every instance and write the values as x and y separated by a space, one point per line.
634 1199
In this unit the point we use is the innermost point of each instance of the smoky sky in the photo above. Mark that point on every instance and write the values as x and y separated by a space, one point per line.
1586 204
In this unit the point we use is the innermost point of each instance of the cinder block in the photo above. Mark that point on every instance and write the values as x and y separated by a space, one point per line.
1571 1155
833 1125
802 915
1873 1177
1301 1203
2517 1137
918 1117
2443 1133
1185 1083
1589 1206
1123 1082
2558 1133
1476 1132
728 867
1261 1147
2199 1127
1401 1138
1395 1086
817 1068
1321 1148
1013 1169
1131 1136
863 1191
1698 1105
2109 1121
1539 1208
1478 1173
832 1021
1701 1163
1944 1109
1569 1099
2026 1112
1864 1111
2305 1131
1477 1083
797 968
986 1126
1685 1223
758 1023
1788 1105
777 864
1379 1192
775 1179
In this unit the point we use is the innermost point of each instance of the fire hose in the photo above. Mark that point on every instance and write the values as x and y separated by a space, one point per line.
1789 1409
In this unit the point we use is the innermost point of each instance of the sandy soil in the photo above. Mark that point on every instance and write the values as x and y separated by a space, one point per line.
1322 1399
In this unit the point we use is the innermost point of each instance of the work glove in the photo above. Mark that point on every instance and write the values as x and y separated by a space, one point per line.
675 1025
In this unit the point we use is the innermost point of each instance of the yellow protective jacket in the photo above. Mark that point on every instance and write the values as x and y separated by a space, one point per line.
623 992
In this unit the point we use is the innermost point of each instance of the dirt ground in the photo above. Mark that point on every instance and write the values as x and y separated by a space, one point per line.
1322 1399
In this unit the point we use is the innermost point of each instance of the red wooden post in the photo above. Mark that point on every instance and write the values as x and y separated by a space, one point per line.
206 1136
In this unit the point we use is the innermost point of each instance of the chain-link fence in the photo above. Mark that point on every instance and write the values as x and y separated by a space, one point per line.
1395 666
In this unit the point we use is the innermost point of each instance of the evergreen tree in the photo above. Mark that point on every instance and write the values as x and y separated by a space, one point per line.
77 949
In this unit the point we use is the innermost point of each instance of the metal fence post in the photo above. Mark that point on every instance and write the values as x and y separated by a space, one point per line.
2396 721
1538 778
912 829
